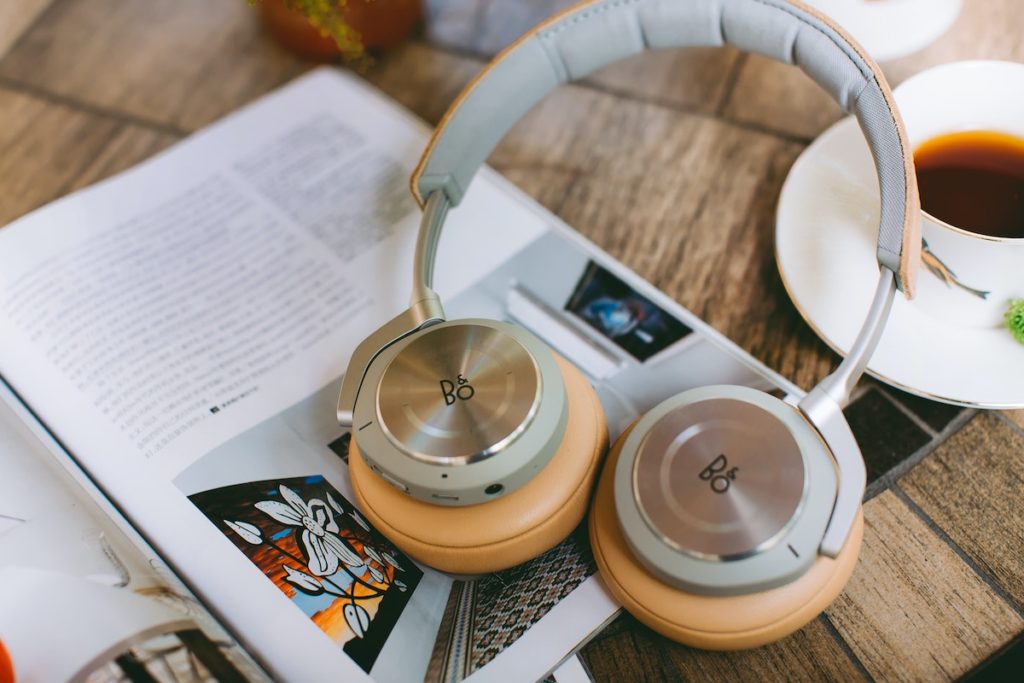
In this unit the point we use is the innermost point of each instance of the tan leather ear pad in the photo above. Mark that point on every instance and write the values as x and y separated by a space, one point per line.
712 623
510 530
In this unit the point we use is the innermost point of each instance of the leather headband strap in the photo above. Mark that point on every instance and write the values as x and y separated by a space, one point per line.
595 33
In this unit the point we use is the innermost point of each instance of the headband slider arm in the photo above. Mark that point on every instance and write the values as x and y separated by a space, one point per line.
421 314
823 407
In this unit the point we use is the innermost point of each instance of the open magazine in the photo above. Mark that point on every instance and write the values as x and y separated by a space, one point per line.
181 331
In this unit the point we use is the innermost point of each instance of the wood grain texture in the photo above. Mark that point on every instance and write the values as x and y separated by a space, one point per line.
972 486
913 610
627 651
781 98
180 63
127 147
43 148
693 79
15 17
422 78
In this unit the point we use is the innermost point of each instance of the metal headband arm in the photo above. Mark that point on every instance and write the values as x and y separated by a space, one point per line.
823 407
424 308
839 385
434 213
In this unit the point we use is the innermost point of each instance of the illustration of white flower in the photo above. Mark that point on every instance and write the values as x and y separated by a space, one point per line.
250 533
323 547
335 504
303 581
332 538
358 619
359 520
372 554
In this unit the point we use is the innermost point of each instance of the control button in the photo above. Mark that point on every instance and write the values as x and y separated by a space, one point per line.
719 479
391 480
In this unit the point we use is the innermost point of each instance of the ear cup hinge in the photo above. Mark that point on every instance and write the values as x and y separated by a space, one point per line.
422 313
826 416
823 407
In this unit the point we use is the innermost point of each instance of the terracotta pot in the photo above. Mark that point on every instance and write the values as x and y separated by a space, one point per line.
6 666
382 24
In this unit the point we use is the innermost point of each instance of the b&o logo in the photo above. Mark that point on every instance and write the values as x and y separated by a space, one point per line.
719 480
452 391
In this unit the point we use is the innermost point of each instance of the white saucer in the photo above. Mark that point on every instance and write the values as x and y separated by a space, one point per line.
889 29
826 226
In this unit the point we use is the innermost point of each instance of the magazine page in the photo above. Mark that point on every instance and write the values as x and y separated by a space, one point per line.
172 307
71 574
157 315
182 328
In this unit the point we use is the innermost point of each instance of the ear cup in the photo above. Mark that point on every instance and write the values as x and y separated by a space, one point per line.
510 530
710 622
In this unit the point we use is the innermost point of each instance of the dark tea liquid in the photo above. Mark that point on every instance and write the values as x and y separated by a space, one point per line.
974 180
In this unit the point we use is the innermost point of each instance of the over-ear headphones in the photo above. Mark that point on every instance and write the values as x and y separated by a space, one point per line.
725 517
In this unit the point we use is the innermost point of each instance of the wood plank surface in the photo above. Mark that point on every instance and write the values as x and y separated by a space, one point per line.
422 78
130 145
780 98
45 147
694 79
972 487
632 652
180 63
15 17
913 610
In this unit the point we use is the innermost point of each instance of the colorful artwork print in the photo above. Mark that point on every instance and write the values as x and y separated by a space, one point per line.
320 552
632 322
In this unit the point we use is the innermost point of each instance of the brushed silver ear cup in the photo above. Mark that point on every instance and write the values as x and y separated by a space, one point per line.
510 529
709 621
462 412
456 394
724 490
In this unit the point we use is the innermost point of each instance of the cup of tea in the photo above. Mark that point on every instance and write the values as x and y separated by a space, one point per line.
965 122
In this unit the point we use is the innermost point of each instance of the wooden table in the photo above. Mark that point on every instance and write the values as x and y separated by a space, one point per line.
673 163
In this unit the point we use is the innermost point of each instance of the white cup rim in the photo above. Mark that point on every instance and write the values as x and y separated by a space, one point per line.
1013 68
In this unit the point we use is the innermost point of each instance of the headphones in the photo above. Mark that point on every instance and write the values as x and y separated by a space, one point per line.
725 518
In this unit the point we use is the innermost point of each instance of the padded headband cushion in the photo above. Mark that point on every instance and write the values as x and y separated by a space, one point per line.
512 529
593 34
711 622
